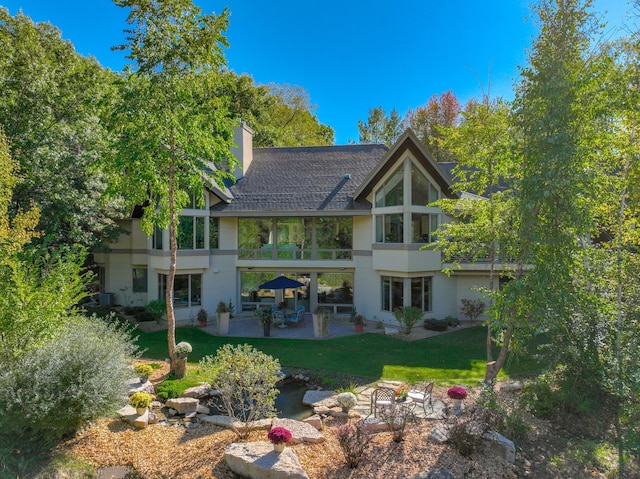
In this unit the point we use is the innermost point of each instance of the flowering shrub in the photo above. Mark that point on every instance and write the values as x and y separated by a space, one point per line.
183 348
278 435
346 400
457 392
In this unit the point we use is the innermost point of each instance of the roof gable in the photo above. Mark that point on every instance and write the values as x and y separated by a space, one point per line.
407 141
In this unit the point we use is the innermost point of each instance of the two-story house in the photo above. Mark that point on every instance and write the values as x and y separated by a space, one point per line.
352 223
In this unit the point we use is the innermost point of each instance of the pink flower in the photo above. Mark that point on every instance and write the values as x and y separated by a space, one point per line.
457 392
278 435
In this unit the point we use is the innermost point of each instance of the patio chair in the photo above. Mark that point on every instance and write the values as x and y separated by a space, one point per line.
421 393
383 400
298 317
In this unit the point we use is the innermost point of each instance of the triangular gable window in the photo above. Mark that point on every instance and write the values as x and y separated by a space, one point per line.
422 191
391 193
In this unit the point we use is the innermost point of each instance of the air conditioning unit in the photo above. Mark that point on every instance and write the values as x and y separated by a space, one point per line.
106 299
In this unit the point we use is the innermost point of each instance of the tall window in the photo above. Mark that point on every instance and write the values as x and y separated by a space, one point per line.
421 293
157 237
295 238
390 228
391 193
191 232
139 280
332 235
187 289
415 221
423 227
335 290
214 233
392 293
422 191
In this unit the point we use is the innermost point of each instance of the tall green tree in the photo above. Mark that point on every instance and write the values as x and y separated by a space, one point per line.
484 140
279 115
38 288
52 108
173 127
556 199
380 127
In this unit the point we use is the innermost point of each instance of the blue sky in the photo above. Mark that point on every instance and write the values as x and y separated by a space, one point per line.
350 55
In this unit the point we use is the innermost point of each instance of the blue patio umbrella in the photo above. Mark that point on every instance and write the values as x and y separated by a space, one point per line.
281 282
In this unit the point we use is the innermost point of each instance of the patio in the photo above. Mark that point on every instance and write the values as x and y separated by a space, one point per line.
248 326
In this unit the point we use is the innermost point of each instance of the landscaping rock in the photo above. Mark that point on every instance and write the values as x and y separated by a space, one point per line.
230 423
319 399
435 474
315 421
129 414
499 445
439 435
114 472
141 421
198 392
374 424
391 331
183 405
300 431
135 386
203 410
511 387
258 460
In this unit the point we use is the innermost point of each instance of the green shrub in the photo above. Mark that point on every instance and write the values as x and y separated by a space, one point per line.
76 377
246 379
350 388
174 388
407 317
507 421
452 321
156 308
144 316
466 431
143 369
140 400
433 324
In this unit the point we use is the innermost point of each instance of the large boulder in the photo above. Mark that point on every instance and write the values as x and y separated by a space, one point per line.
300 431
198 392
258 460
183 405
316 398
499 445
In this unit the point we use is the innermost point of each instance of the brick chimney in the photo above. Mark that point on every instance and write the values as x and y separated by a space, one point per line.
243 137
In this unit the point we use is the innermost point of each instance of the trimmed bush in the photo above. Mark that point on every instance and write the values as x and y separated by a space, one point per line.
407 317
246 379
75 378
433 324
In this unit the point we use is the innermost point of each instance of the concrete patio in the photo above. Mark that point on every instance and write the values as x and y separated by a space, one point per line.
248 326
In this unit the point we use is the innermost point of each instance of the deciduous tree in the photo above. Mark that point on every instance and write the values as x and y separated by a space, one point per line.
174 130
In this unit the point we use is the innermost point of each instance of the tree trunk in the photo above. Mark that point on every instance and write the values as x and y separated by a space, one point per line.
494 367
171 319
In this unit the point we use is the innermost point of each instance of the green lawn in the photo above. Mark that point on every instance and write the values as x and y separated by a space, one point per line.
457 357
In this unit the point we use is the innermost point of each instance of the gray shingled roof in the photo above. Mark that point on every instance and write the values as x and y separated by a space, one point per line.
303 179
